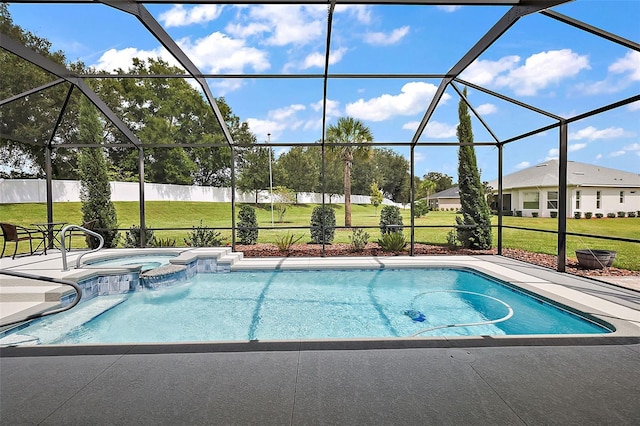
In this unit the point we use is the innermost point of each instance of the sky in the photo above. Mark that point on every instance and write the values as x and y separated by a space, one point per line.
538 61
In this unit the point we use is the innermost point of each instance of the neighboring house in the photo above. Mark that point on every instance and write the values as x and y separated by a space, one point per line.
446 200
590 188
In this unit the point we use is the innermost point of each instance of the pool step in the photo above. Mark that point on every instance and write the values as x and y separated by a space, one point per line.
34 293
230 259
16 311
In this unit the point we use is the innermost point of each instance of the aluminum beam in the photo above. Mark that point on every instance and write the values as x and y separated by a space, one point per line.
591 29
494 33
58 70
143 15
32 91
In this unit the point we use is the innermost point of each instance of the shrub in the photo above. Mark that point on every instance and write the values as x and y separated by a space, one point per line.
631 214
202 236
247 232
622 214
553 214
132 237
323 215
577 215
284 243
420 208
611 215
587 215
358 238
392 241
452 240
390 220
518 213
534 214
599 215
160 242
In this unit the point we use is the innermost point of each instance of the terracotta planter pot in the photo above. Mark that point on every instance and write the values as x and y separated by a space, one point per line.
595 259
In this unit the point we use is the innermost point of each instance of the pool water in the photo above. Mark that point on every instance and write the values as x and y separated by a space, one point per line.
285 305
147 262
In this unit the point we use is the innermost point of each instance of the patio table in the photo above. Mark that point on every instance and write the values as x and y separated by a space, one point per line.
52 231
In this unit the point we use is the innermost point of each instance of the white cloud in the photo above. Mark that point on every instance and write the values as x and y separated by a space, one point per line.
414 98
382 39
629 63
261 127
486 109
178 16
333 107
437 130
114 59
362 13
538 72
543 69
617 153
246 31
291 24
219 53
418 156
214 53
411 125
552 154
285 113
449 8
599 156
632 147
634 106
316 59
591 133
483 72
522 165
576 147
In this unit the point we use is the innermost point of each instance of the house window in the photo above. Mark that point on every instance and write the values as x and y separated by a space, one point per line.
621 197
531 200
598 200
552 200
577 200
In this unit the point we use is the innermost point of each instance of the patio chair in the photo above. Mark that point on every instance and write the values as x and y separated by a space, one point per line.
79 232
15 234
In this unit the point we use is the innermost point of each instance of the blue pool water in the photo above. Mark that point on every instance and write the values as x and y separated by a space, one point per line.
147 262
240 306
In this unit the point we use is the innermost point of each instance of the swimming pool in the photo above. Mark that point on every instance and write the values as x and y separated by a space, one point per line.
328 304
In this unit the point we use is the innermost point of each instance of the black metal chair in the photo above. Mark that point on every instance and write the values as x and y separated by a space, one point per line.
79 232
15 234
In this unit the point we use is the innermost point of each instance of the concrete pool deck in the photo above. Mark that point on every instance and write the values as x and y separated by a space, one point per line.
481 380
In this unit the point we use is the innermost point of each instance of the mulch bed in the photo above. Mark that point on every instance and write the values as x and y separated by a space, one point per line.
373 249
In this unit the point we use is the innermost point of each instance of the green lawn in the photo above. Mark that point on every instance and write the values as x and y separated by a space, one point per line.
218 215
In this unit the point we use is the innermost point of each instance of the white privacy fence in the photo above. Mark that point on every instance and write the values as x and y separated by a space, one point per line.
16 191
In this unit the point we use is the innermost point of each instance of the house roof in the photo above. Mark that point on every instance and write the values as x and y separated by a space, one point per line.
578 174
448 193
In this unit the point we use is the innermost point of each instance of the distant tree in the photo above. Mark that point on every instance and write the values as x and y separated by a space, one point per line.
349 130
442 181
283 197
473 201
95 191
27 123
426 189
299 170
376 196
333 178
254 175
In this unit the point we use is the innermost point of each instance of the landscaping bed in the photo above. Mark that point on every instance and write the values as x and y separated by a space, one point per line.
373 249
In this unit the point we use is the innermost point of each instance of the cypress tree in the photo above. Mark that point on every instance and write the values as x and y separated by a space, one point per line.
474 208
95 191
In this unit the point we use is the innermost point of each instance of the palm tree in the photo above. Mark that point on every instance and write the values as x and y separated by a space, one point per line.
351 131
